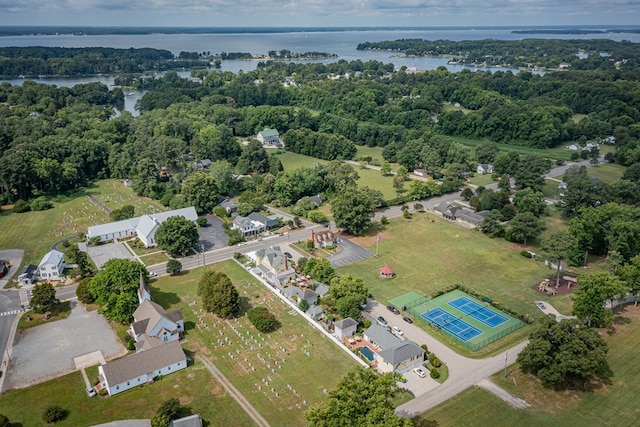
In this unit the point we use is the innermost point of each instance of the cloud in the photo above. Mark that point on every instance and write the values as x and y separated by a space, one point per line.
323 12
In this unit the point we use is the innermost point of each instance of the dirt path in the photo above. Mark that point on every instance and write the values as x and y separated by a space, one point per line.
503 394
99 203
235 393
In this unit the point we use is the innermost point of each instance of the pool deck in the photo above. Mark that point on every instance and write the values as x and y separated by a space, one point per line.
361 343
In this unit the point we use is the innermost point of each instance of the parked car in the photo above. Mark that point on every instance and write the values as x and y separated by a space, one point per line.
397 331
91 392
540 304
382 321
288 255
153 274
393 309
407 319
420 372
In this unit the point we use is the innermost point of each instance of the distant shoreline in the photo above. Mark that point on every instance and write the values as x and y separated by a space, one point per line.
141 30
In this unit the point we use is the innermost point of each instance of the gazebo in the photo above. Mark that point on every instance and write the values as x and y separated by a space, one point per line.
386 272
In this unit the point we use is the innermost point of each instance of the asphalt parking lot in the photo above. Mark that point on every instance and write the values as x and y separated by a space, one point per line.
48 351
103 253
14 256
213 236
349 253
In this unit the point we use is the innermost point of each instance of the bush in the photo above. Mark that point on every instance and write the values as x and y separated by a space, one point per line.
262 319
53 414
384 220
130 343
434 374
317 216
4 421
82 291
525 254
435 362
174 267
366 323
220 212
201 221
21 206
425 348
40 204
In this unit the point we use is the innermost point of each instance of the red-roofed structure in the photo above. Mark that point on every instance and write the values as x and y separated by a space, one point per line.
386 272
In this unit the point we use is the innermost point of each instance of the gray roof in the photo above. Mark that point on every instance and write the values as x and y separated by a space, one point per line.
274 256
322 289
190 421
148 314
28 270
52 257
382 337
345 323
146 225
292 291
256 216
309 296
145 362
317 199
314 310
400 353
130 225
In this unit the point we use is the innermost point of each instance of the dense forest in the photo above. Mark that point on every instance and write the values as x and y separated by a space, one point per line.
53 140
46 61
591 54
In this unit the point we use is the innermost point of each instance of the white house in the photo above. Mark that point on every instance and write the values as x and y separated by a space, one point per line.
344 328
247 226
484 168
144 226
268 137
153 325
51 266
28 275
140 368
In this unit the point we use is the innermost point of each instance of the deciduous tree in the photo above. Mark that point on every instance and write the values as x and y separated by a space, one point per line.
523 227
218 294
174 267
201 191
43 298
114 288
353 210
594 290
560 353
559 246
177 235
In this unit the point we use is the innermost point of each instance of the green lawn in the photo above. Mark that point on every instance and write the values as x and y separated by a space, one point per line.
480 179
610 405
194 386
607 172
553 153
35 232
368 177
374 152
294 161
428 256
284 350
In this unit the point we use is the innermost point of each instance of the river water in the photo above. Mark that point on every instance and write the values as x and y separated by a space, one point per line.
341 43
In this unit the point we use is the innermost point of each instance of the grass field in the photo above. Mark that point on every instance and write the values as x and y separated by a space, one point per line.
607 172
258 363
368 177
610 405
480 179
194 387
35 232
553 153
374 152
429 256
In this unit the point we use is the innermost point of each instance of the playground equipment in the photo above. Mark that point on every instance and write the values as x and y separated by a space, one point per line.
544 287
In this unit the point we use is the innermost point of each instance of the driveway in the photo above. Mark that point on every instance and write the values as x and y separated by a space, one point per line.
213 236
349 253
102 253
14 256
48 351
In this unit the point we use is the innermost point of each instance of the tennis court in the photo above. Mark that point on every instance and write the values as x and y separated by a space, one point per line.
478 311
449 322
460 317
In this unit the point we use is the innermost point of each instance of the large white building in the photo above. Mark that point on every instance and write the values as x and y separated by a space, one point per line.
51 266
144 227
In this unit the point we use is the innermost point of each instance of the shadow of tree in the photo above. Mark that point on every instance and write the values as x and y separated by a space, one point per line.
165 299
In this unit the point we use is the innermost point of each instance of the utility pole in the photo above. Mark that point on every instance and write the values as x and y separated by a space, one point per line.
377 242
505 366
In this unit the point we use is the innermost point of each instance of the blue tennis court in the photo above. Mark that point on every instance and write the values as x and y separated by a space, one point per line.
478 311
450 323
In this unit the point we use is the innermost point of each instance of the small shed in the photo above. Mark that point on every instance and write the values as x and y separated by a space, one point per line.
386 272
345 328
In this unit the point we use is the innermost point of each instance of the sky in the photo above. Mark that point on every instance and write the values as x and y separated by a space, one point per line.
318 13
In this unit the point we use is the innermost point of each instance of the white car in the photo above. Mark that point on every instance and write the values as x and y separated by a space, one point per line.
91 392
420 372
397 331
153 274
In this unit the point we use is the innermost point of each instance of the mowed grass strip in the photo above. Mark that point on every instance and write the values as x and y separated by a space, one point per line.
278 385
561 153
194 387
609 405
429 254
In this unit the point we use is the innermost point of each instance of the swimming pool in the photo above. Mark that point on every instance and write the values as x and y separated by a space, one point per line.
366 352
